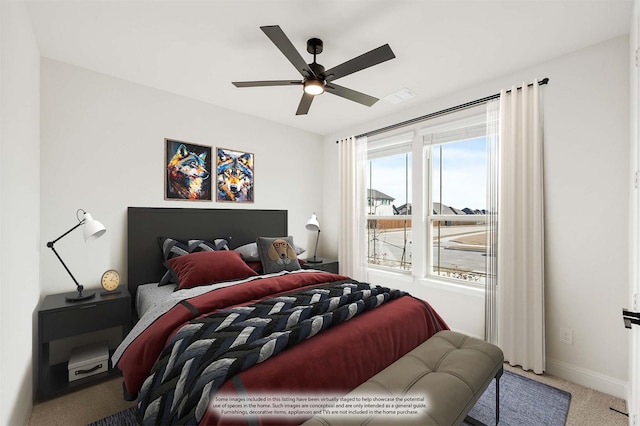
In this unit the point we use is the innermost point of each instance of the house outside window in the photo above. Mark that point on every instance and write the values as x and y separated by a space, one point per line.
379 203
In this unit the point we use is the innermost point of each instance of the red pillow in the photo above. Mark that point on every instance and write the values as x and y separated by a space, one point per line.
256 266
208 267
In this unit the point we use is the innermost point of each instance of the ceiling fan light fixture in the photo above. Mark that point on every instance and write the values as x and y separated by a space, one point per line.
314 87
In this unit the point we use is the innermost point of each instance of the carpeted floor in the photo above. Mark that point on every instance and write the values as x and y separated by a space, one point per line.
587 407
81 407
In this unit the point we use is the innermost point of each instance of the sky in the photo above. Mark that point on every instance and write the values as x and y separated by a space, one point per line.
463 175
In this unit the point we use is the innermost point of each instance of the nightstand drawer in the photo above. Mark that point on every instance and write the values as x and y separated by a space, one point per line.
82 319
327 265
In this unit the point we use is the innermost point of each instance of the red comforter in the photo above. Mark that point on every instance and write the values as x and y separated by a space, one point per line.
336 360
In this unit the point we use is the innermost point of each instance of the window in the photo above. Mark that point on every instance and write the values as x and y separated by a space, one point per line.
389 205
450 239
457 221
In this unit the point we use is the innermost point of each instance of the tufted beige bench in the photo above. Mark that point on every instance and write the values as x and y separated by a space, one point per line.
450 370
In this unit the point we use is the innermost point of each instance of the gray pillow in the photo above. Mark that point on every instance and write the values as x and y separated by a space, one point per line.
249 252
277 254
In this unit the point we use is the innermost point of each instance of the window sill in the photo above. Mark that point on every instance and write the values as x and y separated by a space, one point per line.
467 289
475 290
389 270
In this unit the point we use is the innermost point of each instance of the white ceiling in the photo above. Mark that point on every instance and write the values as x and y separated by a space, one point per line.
197 48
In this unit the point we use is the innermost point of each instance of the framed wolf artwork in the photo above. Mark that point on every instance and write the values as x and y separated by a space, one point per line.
187 171
235 176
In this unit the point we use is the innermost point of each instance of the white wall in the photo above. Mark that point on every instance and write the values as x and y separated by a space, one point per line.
19 209
633 396
103 150
586 112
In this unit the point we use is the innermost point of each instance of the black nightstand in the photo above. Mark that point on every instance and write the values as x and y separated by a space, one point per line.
327 265
59 319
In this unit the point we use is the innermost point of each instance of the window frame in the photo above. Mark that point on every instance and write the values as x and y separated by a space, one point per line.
472 130
422 138
381 148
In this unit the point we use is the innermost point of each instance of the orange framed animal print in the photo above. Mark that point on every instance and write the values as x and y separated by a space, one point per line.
234 176
187 171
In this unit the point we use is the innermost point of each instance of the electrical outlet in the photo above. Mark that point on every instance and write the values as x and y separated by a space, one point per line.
566 336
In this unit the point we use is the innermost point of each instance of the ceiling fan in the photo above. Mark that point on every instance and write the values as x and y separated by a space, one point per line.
316 80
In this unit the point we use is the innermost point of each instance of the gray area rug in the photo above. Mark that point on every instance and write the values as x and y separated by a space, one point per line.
123 418
523 402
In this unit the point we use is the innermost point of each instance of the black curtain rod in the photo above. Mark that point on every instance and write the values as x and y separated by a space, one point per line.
442 112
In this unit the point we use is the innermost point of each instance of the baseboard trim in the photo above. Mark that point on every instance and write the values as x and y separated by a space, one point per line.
588 378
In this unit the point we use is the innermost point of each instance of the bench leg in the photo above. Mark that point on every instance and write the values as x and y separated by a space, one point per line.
498 375
474 422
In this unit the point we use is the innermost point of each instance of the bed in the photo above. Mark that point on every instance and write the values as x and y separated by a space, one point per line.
223 330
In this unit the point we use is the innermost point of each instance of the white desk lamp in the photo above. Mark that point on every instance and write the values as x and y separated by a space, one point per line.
314 225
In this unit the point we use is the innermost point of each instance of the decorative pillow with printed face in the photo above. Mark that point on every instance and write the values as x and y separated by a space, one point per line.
277 254
172 248
249 252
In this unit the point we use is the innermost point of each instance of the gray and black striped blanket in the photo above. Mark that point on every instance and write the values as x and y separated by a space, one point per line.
207 351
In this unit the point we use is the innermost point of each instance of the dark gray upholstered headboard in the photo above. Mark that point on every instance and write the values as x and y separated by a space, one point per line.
145 225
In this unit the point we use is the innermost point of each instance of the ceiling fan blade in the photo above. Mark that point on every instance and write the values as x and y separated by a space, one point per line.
282 42
366 60
266 83
305 104
351 94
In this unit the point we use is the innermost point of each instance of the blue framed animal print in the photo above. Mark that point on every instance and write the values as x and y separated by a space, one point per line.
234 176
188 171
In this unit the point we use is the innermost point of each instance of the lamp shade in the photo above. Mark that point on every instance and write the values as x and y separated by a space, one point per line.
92 229
313 224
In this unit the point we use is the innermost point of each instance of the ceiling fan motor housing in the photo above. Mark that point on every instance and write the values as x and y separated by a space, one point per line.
317 69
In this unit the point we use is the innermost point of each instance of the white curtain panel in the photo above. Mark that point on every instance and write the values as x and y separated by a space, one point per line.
491 281
521 230
352 239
